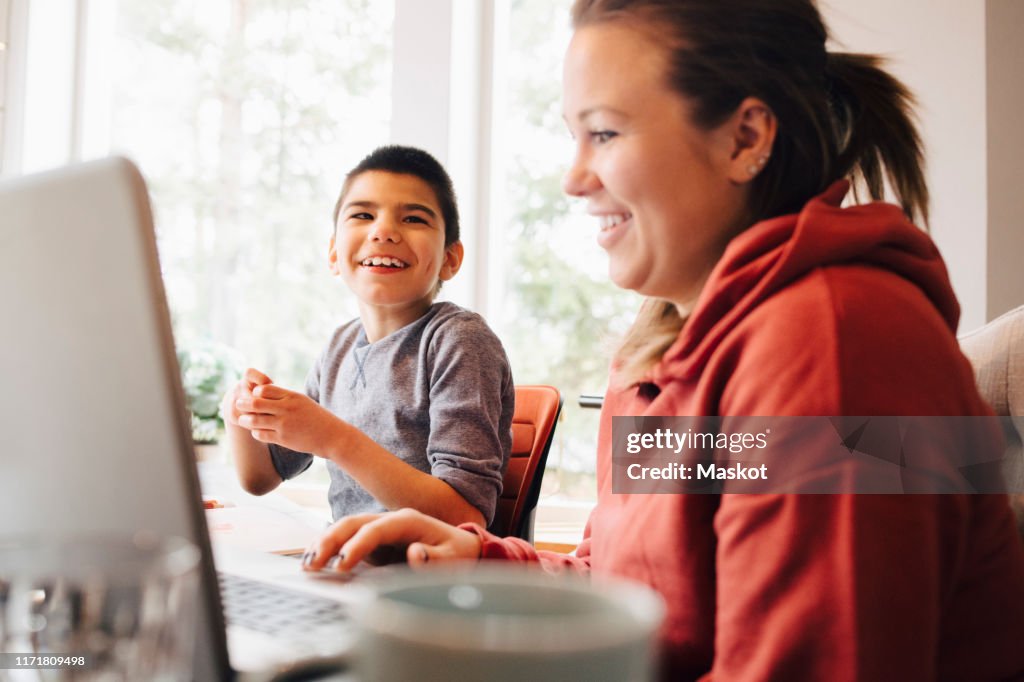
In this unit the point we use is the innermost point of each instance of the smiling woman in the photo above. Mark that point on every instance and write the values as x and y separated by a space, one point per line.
641 197
744 177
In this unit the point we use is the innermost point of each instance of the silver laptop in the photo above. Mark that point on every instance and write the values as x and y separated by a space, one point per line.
96 433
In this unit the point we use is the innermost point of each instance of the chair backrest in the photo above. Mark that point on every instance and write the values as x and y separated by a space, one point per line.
533 430
996 351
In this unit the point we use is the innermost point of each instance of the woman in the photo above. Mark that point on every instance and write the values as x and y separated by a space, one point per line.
713 140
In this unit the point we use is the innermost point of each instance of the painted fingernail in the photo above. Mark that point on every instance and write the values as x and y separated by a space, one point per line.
333 562
423 554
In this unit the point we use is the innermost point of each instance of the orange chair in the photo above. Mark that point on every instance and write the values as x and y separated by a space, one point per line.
533 430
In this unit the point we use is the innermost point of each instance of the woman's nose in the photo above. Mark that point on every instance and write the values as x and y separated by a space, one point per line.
579 180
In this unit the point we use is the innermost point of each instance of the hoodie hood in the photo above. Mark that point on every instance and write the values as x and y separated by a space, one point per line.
774 253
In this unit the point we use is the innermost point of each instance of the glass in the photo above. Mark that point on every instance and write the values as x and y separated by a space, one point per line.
505 622
107 608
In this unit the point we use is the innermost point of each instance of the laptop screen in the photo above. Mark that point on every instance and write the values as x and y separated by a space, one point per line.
93 415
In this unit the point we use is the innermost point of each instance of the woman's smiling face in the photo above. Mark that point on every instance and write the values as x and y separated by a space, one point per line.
658 184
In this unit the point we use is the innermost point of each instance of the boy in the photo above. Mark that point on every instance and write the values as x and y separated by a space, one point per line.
411 403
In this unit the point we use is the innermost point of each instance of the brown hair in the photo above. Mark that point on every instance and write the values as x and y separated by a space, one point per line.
839 114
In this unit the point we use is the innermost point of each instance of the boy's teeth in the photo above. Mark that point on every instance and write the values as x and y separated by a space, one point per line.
607 222
385 261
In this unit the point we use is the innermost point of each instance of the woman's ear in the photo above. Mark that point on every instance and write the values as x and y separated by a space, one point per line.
752 127
453 255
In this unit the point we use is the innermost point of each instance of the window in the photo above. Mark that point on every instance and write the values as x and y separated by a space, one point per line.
244 114
5 11
552 302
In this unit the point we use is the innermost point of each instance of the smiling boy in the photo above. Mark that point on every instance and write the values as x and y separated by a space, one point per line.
411 404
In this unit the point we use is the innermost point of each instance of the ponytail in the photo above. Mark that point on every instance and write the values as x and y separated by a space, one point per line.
877 138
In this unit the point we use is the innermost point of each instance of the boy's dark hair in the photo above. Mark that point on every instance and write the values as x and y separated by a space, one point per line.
416 162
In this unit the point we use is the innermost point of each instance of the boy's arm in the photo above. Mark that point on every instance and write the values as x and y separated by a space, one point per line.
396 484
252 461
256 471
471 405
273 414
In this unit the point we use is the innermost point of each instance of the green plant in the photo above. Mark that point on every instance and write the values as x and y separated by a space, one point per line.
208 370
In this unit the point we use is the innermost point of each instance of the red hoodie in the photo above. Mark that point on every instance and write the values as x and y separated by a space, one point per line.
834 311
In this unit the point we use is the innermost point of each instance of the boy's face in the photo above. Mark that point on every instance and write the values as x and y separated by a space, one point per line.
388 244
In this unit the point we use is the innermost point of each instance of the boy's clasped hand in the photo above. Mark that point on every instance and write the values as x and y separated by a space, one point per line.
273 414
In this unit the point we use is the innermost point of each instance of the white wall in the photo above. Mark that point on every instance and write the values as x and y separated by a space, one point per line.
421 77
441 102
963 59
937 47
1005 97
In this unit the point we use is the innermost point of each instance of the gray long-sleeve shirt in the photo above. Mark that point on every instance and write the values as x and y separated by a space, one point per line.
437 393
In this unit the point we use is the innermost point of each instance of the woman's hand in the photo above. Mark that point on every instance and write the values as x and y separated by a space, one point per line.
366 536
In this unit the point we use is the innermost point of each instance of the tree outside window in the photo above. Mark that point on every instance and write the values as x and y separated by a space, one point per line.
559 315
244 115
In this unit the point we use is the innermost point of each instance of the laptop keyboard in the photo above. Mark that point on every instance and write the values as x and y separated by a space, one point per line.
278 611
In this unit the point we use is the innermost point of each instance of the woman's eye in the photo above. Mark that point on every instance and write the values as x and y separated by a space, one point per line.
602 136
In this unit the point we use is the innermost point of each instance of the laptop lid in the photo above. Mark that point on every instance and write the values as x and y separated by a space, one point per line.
96 432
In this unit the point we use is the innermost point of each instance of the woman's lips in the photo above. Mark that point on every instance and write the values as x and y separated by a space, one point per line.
613 228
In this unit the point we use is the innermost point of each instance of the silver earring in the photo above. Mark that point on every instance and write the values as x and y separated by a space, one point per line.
752 169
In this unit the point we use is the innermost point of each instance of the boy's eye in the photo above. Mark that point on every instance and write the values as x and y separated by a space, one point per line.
362 215
415 219
602 136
